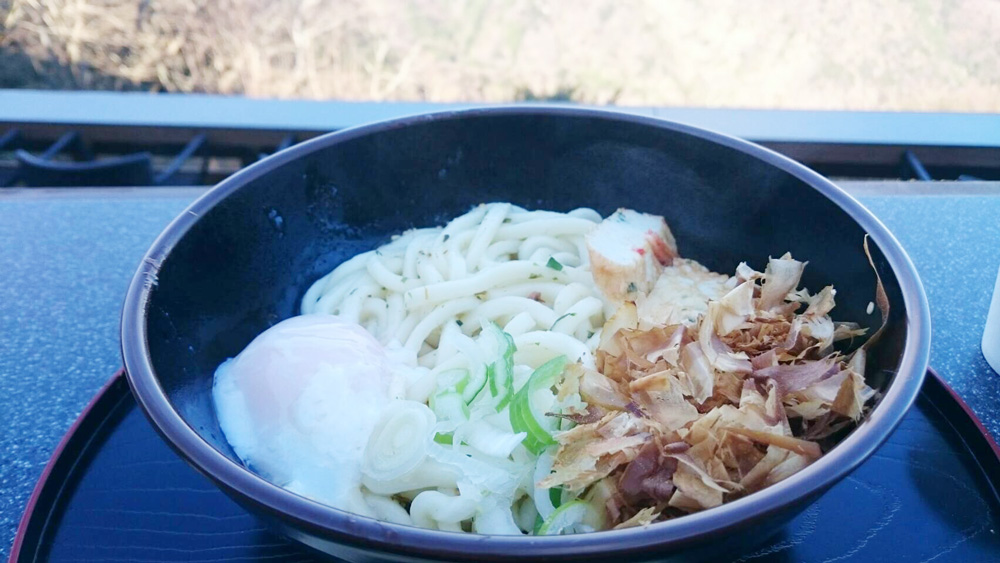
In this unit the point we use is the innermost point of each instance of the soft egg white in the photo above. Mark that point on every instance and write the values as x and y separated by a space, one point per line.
300 402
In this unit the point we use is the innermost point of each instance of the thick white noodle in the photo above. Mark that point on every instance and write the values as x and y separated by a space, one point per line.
406 291
387 509
426 294
436 510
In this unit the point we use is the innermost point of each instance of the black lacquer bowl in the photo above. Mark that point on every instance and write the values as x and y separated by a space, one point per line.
241 257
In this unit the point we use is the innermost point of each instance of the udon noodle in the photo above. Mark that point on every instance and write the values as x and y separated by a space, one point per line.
426 295
528 271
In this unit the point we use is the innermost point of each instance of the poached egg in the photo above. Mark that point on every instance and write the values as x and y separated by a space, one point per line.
299 403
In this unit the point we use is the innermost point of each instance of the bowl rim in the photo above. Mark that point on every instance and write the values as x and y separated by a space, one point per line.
367 533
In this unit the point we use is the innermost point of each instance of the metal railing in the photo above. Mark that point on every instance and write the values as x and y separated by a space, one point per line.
178 139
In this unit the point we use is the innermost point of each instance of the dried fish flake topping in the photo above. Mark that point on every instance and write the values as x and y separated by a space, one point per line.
707 396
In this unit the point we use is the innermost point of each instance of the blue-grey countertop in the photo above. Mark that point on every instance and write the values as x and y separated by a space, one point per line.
66 257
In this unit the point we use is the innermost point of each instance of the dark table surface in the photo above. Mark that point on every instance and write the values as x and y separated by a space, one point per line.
66 257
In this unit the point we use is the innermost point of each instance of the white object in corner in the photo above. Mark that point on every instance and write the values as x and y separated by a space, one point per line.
991 335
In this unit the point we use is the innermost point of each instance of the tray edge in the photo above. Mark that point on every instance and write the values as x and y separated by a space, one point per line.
119 377
36 492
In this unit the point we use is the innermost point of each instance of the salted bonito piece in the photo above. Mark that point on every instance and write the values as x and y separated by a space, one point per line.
628 250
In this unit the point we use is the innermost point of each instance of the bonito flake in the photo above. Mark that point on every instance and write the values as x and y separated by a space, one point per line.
709 388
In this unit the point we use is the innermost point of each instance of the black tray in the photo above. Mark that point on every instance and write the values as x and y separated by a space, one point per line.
113 491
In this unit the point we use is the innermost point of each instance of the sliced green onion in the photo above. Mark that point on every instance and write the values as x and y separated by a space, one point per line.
505 370
453 380
446 438
491 378
554 264
555 495
524 417
523 421
500 374
449 405
473 387
572 517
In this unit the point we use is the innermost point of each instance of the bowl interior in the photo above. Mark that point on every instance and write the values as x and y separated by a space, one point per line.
246 262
